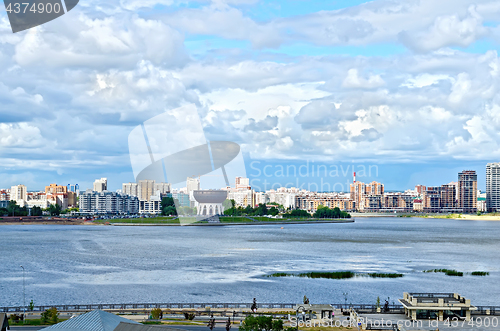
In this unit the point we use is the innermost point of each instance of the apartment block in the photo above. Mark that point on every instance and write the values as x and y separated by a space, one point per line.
107 202
493 187
101 184
467 191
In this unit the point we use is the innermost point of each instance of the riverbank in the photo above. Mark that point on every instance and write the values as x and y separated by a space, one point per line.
351 220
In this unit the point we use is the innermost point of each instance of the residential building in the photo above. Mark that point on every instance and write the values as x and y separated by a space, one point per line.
54 188
107 202
467 191
101 185
5 195
420 189
242 182
145 189
130 189
493 187
19 194
192 184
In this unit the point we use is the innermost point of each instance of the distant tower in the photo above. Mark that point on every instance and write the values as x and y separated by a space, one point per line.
354 178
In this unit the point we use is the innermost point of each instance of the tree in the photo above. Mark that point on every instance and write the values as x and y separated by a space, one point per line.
31 305
259 323
261 210
273 211
168 206
156 313
50 316
36 211
306 300
54 210
228 204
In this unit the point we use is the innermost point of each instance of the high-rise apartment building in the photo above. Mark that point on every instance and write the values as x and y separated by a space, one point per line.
101 185
130 189
163 188
242 182
448 194
192 184
19 194
493 187
467 191
145 189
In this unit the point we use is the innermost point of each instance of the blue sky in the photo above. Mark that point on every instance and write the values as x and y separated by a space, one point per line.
408 86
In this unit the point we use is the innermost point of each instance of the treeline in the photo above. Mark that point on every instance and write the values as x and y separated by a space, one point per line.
260 210
325 212
13 209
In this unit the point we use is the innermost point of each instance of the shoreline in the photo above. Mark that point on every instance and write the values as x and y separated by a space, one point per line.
229 224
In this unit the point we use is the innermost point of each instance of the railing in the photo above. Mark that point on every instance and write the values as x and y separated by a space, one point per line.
129 306
361 308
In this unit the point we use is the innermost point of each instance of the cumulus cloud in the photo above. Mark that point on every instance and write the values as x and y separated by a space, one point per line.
446 31
354 80
72 90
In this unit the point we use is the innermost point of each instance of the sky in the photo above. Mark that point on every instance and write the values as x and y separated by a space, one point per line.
408 87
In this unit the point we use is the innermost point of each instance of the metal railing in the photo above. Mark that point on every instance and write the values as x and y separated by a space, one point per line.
361 308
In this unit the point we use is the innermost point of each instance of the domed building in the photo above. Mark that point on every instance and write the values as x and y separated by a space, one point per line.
210 202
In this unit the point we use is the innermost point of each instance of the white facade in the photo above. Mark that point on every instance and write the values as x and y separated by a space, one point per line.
106 202
130 189
19 194
101 184
493 187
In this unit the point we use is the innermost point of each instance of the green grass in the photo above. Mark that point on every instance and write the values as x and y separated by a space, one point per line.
479 273
335 275
35 321
153 220
329 275
280 274
385 275
315 274
447 272
150 322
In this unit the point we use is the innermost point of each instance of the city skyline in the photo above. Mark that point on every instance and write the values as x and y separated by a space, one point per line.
414 98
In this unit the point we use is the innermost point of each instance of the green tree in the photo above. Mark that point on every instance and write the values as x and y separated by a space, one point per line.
54 210
261 210
260 323
168 206
273 211
31 305
36 211
156 313
50 316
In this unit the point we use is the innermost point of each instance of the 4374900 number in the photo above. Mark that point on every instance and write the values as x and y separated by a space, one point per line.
40 8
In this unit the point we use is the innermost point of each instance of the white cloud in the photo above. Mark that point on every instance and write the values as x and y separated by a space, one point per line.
354 80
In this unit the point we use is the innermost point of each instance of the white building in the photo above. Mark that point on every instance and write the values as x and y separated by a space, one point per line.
492 187
106 202
130 189
101 184
19 194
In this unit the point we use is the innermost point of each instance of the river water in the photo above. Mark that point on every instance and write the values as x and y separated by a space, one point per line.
125 264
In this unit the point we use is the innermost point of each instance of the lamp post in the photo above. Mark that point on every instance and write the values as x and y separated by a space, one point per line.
24 299
345 299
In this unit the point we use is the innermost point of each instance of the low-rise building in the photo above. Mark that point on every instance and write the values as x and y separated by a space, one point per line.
436 305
